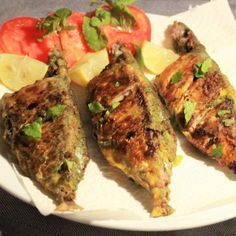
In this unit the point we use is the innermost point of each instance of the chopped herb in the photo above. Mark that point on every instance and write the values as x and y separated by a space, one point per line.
177 161
34 129
189 108
114 105
55 23
217 152
228 122
202 68
176 77
223 112
119 15
54 112
96 107
139 56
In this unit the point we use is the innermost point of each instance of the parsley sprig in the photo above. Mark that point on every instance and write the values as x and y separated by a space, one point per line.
55 23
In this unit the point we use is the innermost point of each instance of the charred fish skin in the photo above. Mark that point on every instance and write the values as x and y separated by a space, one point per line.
43 130
202 100
132 127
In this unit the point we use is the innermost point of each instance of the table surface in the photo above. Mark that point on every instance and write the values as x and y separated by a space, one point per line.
18 218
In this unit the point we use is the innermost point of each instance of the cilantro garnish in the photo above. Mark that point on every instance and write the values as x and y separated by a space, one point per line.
34 129
118 15
202 68
217 152
176 77
189 108
54 112
93 35
55 23
223 112
114 105
96 107
228 122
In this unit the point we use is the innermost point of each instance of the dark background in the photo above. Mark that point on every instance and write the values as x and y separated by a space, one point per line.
20 219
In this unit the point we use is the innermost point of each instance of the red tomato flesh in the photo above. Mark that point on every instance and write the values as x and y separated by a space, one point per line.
72 41
20 36
141 31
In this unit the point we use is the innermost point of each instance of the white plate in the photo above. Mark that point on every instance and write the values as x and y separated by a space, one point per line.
201 193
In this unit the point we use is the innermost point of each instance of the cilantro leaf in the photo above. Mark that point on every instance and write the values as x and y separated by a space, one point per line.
223 112
118 15
93 35
34 129
54 23
189 108
217 152
228 122
54 112
114 105
96 107
176 77
202 68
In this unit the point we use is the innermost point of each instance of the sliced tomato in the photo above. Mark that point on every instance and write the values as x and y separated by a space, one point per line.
72 41
141 31
20 36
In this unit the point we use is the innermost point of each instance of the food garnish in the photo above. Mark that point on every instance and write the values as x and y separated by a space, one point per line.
202 68
223 112
217 151
116 15
54 23
157 58
89 67
189 109
18 71
176 77
228 122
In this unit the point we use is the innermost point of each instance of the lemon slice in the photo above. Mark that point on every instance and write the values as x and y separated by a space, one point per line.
156 58
18 71
90 66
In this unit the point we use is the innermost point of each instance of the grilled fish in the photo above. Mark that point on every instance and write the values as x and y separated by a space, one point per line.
43 130
132 127
200 97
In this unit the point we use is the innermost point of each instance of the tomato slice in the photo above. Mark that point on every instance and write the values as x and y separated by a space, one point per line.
141 31
20 36
72 41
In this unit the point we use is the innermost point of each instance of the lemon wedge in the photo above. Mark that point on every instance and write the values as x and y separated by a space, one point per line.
18 71
90 66
156 58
